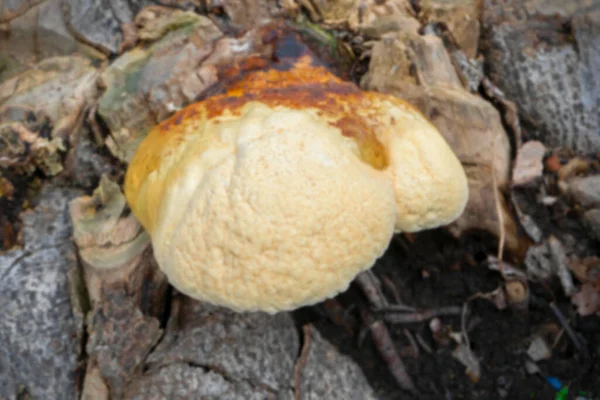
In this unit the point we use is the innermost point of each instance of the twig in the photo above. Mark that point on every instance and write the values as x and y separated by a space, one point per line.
412 341
434 388
509 108
567 327
93 124
395 307
387 282
423 343
387 350
448 394
362 335
401 241
527 223
338 315
559 259
302 360
463 323
506 270
499 214
557 338
463 351
371 288
420 316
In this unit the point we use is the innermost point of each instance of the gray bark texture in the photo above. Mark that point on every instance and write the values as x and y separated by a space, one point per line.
39 332
331 375
545 56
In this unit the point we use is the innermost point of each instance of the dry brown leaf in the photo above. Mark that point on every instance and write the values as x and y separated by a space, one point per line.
418 69
460 16
574 167
585 270
370 17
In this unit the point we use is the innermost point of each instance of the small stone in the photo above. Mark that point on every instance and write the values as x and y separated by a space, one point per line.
538 262
592 220
516 292
539 349
586 191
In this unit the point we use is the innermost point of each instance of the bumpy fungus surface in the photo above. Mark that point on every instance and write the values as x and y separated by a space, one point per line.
279 192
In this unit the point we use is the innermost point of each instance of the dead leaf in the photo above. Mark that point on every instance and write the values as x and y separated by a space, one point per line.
441 333
527 222
587 300
111 246
497 297
25 151
553 163
100 24
538 262
147 84
576 166
561 269
461 18
529 165
516 292
58 87
370 17
154 22
592 221
105 239
585 270
418 69
247 14
466 357
36 34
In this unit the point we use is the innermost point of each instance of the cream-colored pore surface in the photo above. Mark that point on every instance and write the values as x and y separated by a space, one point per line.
278 213
429 180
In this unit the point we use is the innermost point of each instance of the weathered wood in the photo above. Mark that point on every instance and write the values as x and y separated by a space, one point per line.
40 334
545 55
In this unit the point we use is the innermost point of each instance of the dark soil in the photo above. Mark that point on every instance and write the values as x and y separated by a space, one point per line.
436 270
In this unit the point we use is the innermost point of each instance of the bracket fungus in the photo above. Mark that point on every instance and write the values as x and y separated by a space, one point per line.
276 193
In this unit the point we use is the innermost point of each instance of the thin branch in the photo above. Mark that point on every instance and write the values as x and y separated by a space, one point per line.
387 350
567 327
500 215
420 316
302 360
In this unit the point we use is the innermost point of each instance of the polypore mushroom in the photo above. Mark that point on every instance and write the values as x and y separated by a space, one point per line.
279 192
